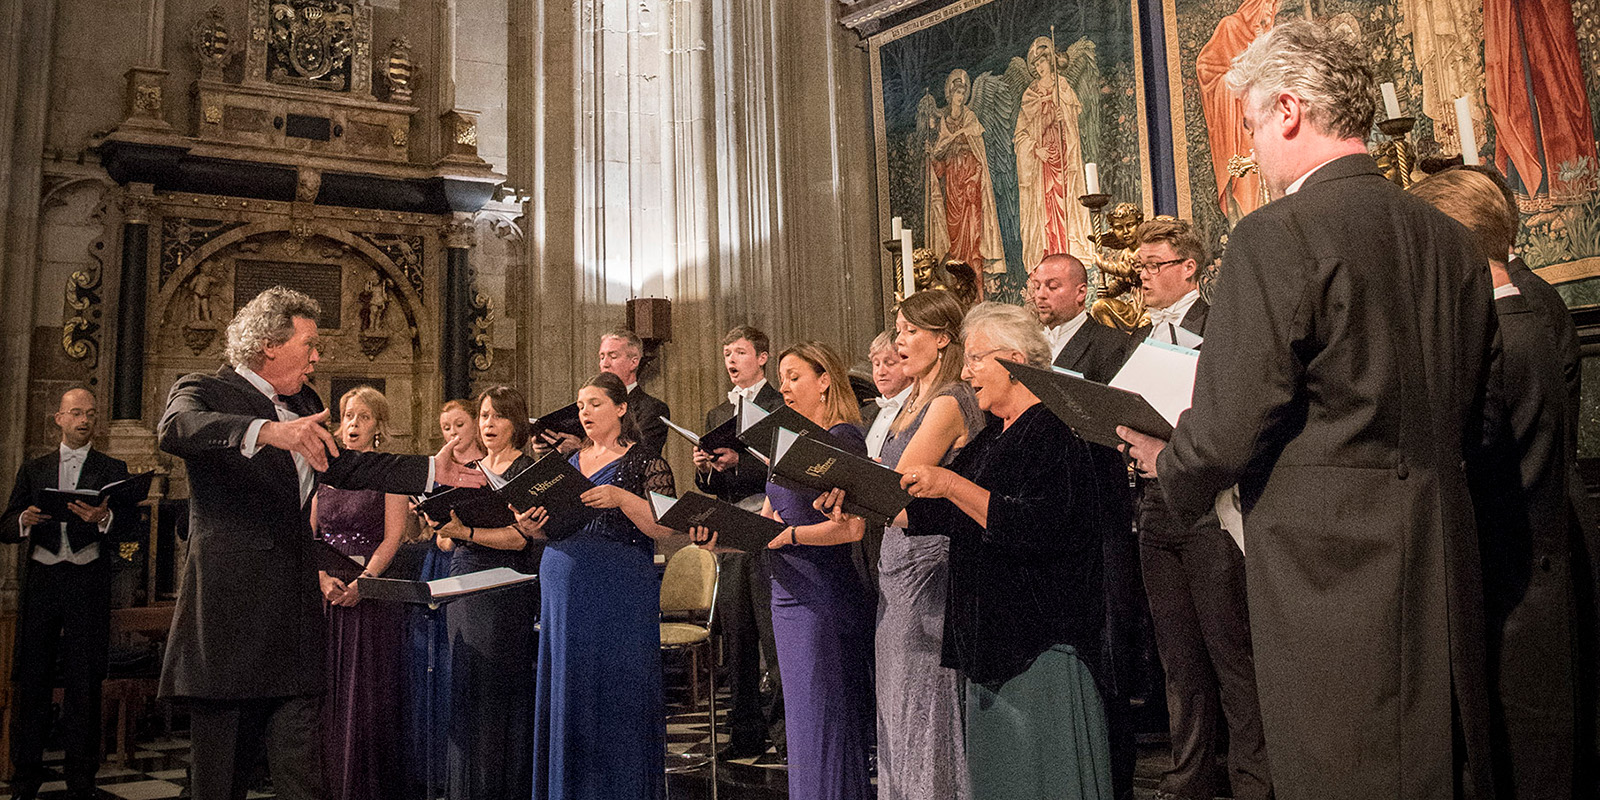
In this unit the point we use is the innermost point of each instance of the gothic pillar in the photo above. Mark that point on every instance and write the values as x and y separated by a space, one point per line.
127 394
455 320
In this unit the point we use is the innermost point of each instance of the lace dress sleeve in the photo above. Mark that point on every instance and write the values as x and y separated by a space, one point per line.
658 478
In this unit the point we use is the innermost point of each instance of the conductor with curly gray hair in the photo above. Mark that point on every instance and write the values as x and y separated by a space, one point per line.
1341 388
246 649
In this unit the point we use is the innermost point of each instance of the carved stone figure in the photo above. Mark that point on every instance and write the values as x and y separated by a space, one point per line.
202 288
374 304
924 269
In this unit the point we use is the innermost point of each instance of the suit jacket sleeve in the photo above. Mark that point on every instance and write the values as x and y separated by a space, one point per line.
1250 369
22 491
190 427
124 521
385 472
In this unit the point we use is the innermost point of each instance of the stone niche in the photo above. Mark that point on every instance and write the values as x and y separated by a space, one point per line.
372 272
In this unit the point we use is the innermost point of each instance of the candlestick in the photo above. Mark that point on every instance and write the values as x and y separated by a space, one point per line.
1469 137
894 227
908 276
1091 177
1391 101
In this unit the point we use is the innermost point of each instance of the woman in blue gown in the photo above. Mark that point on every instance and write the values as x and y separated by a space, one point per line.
822 613
600 729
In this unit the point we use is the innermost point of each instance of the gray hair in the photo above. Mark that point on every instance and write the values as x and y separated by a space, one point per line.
266 321
883 341
1324 68
1012 328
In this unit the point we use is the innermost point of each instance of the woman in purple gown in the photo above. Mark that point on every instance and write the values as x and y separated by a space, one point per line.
361 743
822 613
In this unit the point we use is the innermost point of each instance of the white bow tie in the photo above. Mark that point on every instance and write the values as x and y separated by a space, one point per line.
1165 316
885 402
737 394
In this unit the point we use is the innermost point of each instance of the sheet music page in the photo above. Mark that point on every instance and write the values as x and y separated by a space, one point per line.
694 438
1163 374
750 414
786 437
661 504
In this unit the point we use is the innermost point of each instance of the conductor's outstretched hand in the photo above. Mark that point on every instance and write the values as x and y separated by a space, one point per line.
307 436
450 470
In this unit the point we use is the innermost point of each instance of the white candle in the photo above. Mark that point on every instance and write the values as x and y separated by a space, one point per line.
1391 101
894 227
1091 177
907 277
1469 137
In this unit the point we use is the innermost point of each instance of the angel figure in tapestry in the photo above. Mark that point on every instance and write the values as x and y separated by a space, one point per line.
1049 155
959 200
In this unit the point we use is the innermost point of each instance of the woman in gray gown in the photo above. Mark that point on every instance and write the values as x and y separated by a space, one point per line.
920 751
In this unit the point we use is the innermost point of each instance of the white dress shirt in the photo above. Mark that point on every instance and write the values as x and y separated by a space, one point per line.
747 393
1165 323
1061 334
308 478
888 409
1301 181
67 478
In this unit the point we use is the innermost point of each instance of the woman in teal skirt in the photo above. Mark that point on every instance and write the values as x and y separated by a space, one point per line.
1020 506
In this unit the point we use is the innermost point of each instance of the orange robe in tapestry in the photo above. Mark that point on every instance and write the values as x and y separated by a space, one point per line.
1225 113
1554 92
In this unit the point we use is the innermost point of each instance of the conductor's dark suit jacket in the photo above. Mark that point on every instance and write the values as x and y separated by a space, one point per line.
249 621
1342 387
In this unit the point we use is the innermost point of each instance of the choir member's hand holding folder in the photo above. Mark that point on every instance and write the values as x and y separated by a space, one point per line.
722 437
734 526
551 483
1147 395
871 490
758 428
125 493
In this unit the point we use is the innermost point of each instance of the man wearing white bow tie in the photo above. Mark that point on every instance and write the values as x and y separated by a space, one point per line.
744 603
1169 269
894 386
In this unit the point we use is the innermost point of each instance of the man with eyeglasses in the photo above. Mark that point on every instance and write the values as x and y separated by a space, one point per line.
66 602
1193 574
1170 255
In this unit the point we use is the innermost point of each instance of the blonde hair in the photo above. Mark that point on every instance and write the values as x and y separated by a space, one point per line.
839 399
1472 199
376 403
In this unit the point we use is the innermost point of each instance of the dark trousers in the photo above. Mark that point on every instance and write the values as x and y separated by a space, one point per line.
1195 581
744 614
227 736
1124 615
65 616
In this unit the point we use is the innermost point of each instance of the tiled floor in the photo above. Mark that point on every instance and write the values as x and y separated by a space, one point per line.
158 769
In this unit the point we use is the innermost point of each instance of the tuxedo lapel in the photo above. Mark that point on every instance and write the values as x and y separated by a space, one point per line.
274 463
1076 348
1195 320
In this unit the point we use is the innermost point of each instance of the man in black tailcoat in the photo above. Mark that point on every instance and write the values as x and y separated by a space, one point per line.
65 601
247 643
1341 386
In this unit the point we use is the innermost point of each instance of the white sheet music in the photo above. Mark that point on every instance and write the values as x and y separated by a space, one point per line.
1163 374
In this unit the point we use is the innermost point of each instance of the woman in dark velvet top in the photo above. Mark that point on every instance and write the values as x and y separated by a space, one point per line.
1024 610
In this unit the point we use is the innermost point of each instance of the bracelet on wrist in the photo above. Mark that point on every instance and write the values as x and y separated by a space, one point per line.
794 535
471 533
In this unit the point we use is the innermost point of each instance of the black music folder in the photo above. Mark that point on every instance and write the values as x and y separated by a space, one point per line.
1092 410
328 559
871 490
554 483
735 527
722 436
562 420
475 506
443 590
758 428
125 493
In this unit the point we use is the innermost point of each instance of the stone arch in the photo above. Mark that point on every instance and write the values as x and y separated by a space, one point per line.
412 305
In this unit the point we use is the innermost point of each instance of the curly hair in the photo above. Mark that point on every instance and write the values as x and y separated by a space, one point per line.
266 321
1322 67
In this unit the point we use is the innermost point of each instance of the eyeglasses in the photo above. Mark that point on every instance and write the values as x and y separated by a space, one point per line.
1156 267
974 358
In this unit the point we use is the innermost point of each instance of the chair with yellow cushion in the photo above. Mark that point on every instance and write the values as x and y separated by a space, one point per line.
688 607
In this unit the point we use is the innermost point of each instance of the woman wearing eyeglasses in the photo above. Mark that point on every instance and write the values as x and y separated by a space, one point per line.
1020 508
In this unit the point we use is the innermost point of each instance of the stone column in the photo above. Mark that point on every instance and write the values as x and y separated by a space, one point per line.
127 394
455 317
